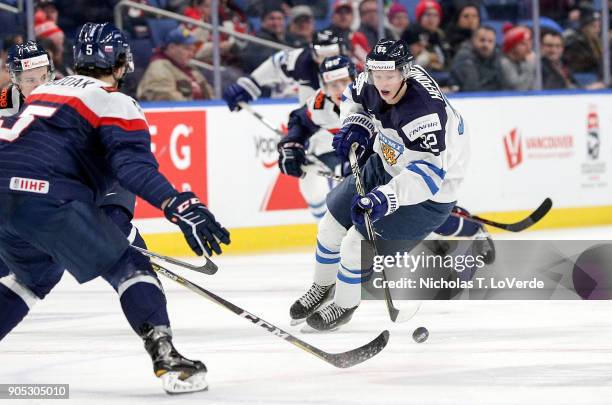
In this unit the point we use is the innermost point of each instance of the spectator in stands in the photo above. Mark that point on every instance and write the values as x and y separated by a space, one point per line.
46 29
257 7
462 28
367 35
416 43
477 65
169 76
301 27
49 8
201 10
518 61
272 29
557 10
555 73
398 19
342 20
428 14
583 51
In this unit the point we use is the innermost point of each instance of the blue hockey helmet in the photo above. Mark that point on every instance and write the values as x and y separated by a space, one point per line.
390 55
335 68
326 43
26 56
101 46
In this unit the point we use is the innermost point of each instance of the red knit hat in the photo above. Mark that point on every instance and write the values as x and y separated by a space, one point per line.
423 5
513 36
43 27
396 8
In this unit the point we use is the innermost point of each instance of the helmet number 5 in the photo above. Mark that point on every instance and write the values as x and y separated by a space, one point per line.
89 49
27 116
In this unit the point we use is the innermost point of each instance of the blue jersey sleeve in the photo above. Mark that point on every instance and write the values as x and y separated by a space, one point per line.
126 139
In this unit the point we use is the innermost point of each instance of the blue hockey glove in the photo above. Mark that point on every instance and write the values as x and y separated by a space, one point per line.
375 202
291 158
245 89
197 223
355 128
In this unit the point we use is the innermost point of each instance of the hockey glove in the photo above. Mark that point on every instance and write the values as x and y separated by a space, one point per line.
245 89
197 223
291 158
375 202
356 128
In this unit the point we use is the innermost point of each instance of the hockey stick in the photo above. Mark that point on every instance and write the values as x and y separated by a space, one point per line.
261 118
519 226
306 168
394 313
340 360
208 268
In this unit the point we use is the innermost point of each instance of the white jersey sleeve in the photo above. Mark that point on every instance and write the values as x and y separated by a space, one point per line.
272 71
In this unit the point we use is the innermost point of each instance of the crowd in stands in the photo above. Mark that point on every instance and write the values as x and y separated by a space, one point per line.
467 45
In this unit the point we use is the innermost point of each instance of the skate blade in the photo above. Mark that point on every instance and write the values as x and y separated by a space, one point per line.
174 385
309 329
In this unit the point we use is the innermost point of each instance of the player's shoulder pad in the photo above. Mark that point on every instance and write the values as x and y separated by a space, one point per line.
422 125
424 83
123 106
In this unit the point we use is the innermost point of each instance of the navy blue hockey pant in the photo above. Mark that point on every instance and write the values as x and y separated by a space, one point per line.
40 237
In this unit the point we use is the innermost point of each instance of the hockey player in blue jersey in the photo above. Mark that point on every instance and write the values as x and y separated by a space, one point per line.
420 152
72 140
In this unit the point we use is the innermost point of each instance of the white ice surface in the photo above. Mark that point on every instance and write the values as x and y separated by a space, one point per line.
529 352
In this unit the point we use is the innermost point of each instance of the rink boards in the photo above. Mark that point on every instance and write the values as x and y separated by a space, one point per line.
525 147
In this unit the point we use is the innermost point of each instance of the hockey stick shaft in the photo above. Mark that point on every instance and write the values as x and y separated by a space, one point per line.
306 168
519 226
393 312
261 118
209 267
341 360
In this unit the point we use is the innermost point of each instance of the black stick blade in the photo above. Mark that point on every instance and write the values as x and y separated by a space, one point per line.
519 226
360 354
535 216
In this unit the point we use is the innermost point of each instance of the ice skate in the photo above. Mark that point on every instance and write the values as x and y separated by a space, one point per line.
178 374
329 318
307 304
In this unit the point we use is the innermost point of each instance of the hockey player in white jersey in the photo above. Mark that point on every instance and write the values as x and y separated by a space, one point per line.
296 65
301 66
420 145
311 130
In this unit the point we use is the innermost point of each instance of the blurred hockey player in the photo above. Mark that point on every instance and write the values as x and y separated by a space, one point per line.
301 66
311 131
298 65
29 66
75 138
420 144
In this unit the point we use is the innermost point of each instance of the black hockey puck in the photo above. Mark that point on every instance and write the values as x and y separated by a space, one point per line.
420 334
